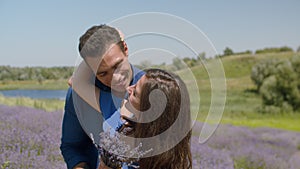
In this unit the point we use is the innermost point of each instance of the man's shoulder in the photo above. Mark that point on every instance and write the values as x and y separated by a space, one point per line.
69 93
69 99
138 73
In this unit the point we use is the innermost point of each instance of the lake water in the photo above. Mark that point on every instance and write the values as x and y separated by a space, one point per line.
36 94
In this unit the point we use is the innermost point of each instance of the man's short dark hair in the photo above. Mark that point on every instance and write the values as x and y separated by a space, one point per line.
97 39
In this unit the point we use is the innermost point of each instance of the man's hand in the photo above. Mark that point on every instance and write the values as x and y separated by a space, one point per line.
83 85
82 165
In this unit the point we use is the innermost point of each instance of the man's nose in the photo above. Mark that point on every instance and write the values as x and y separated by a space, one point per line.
116 77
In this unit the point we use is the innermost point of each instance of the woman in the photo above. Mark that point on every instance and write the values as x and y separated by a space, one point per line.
163 96
158 101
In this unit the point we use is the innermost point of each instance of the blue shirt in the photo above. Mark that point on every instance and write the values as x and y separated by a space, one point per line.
76 145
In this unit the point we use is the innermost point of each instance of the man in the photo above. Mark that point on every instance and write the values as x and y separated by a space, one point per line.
106 54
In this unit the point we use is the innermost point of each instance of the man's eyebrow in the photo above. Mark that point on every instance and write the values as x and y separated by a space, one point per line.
117 63
113 66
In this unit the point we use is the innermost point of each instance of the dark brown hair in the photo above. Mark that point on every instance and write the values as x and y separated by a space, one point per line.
177 107
97 39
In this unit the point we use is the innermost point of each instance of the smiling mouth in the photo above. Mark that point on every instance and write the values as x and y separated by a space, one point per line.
121 83
119 87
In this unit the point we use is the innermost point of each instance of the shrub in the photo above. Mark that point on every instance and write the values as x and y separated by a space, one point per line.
278 83
262 70
295 60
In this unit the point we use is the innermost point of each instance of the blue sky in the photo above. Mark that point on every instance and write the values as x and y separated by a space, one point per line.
45 33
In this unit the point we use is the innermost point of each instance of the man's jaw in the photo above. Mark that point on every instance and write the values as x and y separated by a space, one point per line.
119 93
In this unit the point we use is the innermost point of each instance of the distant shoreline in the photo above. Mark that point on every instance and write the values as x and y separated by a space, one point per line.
35 85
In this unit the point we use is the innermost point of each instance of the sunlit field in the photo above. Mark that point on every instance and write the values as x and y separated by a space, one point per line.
29 84
246 138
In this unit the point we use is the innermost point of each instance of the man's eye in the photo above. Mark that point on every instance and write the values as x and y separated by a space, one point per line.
115 67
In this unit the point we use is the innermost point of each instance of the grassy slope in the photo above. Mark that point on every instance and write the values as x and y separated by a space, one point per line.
242 103
44 104
45 85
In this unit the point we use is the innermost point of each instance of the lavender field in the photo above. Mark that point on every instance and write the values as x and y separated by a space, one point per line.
30 138
234 147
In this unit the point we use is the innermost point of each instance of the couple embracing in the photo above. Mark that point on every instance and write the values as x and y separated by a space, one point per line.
150 106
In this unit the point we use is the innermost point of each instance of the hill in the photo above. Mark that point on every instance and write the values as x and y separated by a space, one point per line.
243 103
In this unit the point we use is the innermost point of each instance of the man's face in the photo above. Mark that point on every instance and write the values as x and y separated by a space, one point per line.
114 69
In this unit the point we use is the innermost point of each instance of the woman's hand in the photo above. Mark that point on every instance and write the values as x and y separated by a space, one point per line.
70 81
127 112
103 166
82 82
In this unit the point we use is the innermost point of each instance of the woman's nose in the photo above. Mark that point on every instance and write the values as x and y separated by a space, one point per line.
129 89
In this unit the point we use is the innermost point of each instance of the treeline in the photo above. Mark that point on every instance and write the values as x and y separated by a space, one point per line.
228 51
8 73
177 63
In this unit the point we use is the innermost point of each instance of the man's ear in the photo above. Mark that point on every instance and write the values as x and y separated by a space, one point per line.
125 48
123 40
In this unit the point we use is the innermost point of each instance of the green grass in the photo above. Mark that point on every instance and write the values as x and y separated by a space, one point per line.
242 103
45 85
283 121
44 104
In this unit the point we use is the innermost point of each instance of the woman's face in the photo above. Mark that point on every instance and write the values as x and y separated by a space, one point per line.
134 93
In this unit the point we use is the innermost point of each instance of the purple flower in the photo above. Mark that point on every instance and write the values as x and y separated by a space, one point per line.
242 147
30 138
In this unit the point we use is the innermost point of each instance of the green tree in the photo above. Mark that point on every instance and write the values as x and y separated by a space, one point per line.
228 51
278 83
190 62
178 64
201 56
145 64
274 50
263 70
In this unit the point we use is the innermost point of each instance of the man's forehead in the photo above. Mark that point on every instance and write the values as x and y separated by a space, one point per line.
109 50
93 63
103 65
101 62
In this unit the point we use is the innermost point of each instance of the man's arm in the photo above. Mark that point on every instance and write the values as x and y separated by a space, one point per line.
76 146
83 83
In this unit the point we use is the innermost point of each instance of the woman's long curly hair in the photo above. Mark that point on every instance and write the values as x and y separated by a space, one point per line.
177 107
